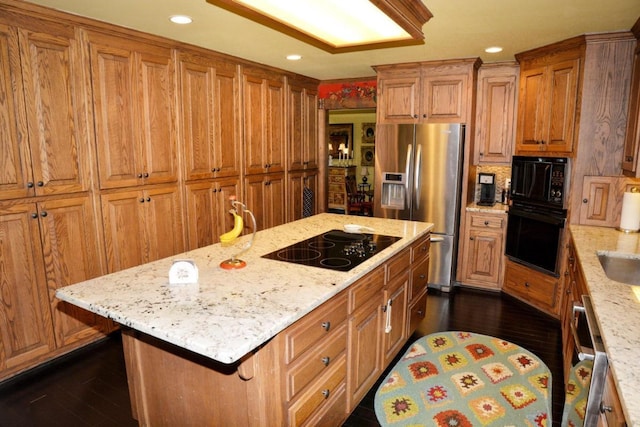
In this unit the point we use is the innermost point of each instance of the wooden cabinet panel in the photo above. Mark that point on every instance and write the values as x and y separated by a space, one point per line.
71 255
302 126
337 191
537 289
298 182
496 113
632 140
44 116
548 100
141 226
444 97
395 317
208 207
264 143
598 193
484 238
133 98
209 95
398 96
265 197
26 331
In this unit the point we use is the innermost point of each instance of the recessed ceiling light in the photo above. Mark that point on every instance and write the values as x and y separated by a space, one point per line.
181 19
493 49
294 57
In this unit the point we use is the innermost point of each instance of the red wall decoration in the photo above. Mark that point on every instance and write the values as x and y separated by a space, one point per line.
336 96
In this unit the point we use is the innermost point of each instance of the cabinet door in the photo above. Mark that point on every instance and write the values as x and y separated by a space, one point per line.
302 139
531 110
395 317
266 198
483 256
207 209
296 186
164 232
562 94
495 114
123 216
598 200
26 331
210 110
72 255
364 343
275 114
444 98
398 97
133 99
15 163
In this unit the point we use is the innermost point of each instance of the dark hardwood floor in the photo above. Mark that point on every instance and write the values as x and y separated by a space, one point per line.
89 387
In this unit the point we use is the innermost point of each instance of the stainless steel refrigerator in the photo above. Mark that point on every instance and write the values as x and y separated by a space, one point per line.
418 176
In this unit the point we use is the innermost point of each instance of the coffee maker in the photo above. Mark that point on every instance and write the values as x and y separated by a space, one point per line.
487 189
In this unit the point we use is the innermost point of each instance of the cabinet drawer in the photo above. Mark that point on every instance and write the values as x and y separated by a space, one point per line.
398 264
531 285
419 278
319 393
486 221
333 412
417 312
420 249
366 288
316 361
307 331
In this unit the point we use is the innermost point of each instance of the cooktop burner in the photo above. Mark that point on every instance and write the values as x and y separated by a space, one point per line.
334 250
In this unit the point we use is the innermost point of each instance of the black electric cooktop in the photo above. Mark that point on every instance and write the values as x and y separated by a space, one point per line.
334 250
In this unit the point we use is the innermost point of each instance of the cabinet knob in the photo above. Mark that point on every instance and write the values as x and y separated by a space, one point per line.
629 158
420 312
29 184
141 200
471 238
326 393
326 326
139 175
40 184
148 199
585 200
43 214
486 223
526 284
215 190
34 215
605 408
326 360
481 154
146 175
422 277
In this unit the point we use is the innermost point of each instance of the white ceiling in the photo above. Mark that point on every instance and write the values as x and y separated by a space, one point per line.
459 29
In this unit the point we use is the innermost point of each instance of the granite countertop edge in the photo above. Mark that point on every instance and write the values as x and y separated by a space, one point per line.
617 309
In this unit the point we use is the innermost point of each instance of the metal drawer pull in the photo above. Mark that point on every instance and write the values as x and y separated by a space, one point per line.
326 360
326 393
326 326
605 408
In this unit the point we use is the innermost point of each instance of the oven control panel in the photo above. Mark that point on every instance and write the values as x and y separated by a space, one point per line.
556 192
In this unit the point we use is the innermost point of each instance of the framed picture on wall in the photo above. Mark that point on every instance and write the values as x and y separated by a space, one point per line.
341 140
368 156
368 133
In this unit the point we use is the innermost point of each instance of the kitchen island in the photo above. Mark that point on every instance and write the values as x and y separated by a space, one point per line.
240 347
617 309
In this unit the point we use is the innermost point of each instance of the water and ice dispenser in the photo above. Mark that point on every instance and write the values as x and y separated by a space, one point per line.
394 186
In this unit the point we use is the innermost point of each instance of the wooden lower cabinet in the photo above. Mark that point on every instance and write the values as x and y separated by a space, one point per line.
483 263
313 373
265 196
46 245
611 413
532 287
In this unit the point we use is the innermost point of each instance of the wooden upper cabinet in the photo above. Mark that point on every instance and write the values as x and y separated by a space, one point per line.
265 196
264 143
548 99
43 120
496 113
134 106
302 125
210 101
632 140
428 92
398 95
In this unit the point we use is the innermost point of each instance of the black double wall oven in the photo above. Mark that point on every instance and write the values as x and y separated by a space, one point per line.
537 215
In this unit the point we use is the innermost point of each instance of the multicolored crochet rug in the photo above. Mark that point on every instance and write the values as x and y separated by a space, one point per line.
576 394
463 379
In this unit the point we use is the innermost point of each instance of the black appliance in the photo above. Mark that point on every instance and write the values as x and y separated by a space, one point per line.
334 250
537 214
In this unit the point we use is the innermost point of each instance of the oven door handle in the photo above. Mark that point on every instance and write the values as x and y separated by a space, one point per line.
584 353
549 219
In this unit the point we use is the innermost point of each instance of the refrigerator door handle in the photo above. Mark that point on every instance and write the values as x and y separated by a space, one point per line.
436 239
417 173
407 173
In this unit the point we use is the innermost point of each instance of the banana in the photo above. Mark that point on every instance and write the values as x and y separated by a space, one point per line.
238 224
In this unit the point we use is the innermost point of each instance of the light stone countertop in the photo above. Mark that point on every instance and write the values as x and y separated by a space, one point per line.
617 308
498 208
229 313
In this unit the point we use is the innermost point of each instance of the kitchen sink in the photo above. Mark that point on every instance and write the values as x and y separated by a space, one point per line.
621 268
